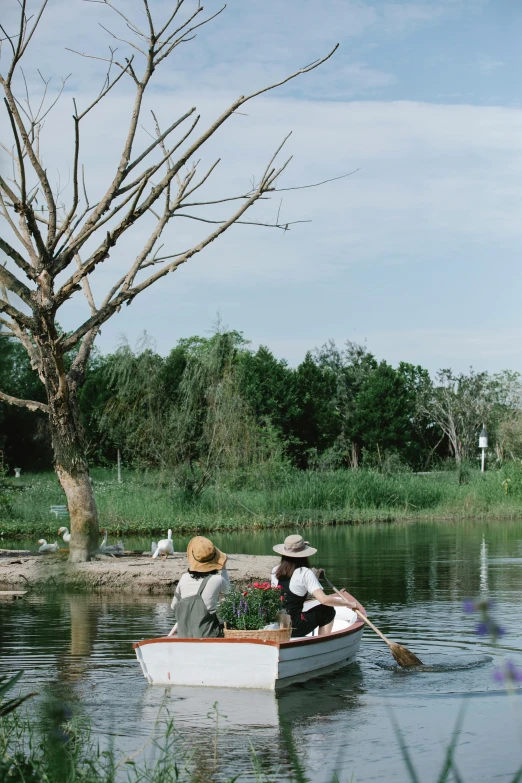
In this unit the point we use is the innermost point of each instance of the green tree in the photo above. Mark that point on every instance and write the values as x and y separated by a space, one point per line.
269 387
384 411
317 424
24 435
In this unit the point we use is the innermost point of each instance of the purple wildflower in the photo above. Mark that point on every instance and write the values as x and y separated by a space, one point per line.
469 606
482 629
509 673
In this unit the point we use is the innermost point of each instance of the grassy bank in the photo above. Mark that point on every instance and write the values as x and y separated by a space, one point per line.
150 502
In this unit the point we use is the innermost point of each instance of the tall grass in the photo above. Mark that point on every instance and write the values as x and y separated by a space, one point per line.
146 502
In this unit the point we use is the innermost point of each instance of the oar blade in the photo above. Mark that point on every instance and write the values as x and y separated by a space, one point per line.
403 656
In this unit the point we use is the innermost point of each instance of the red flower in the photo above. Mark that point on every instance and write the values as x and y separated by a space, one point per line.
282 598
245 593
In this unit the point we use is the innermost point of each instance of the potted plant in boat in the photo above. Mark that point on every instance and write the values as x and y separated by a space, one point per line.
255 613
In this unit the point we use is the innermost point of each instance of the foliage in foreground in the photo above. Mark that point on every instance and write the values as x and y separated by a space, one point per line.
64 751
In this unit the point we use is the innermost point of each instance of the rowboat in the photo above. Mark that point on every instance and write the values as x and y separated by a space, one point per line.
250 663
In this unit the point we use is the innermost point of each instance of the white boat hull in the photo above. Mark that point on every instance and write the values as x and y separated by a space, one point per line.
245 663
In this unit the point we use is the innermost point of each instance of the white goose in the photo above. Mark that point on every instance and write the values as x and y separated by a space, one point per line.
45 547
164 547
153 547
113 549
66 535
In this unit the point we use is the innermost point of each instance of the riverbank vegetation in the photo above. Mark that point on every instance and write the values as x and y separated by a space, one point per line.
216 435
150 502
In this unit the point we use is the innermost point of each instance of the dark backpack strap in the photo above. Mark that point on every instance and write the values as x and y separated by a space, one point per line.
203 584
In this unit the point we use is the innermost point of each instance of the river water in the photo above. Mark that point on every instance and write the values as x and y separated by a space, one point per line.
412 579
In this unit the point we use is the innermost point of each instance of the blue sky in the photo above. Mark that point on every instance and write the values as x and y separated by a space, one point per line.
417 254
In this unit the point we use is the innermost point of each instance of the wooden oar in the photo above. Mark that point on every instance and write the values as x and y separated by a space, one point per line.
402 655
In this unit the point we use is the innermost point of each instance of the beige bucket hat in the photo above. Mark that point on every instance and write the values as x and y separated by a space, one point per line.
295 546
203 556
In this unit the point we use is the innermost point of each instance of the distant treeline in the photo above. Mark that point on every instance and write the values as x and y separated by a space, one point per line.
214 404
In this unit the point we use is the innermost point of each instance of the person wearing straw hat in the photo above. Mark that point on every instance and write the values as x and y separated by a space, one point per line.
295 577
197 594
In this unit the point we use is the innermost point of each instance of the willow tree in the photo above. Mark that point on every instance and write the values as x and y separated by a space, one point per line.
53 245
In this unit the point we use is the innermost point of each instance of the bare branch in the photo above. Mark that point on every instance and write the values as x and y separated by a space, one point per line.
123 40
148 173
170 19
20 318
158 141
42 176
149 19
182 38
17 258
15 285
76 374
23 336
29 404
317 184
25 40
66 343
116 10
107 89
90 225
282 226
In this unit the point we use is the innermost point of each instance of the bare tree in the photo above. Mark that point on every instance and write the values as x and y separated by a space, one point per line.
460 404
52 250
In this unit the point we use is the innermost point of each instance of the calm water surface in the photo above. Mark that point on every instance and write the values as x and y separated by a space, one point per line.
412 580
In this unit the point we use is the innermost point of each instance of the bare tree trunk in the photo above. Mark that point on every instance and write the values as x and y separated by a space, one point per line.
70 463
73 475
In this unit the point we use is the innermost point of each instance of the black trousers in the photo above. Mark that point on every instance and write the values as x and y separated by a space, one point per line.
316 616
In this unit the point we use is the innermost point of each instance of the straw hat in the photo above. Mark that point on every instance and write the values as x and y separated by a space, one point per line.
295 546
203 556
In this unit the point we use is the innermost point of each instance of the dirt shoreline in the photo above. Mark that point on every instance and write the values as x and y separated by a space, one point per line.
130 574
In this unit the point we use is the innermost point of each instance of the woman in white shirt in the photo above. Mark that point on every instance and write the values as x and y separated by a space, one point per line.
197 594
297 579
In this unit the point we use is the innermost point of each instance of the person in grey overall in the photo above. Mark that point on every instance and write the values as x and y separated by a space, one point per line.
197 594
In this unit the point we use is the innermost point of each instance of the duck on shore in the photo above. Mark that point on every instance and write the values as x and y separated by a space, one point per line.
66 535
47 548
164 547
113 549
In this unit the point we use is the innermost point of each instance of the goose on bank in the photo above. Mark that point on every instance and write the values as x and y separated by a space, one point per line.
66 535
164 547
45 547
112 549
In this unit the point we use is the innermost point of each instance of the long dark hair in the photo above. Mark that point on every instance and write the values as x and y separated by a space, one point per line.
288 565
202 574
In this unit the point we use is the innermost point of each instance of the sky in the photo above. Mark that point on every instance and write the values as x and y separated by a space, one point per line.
416 254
